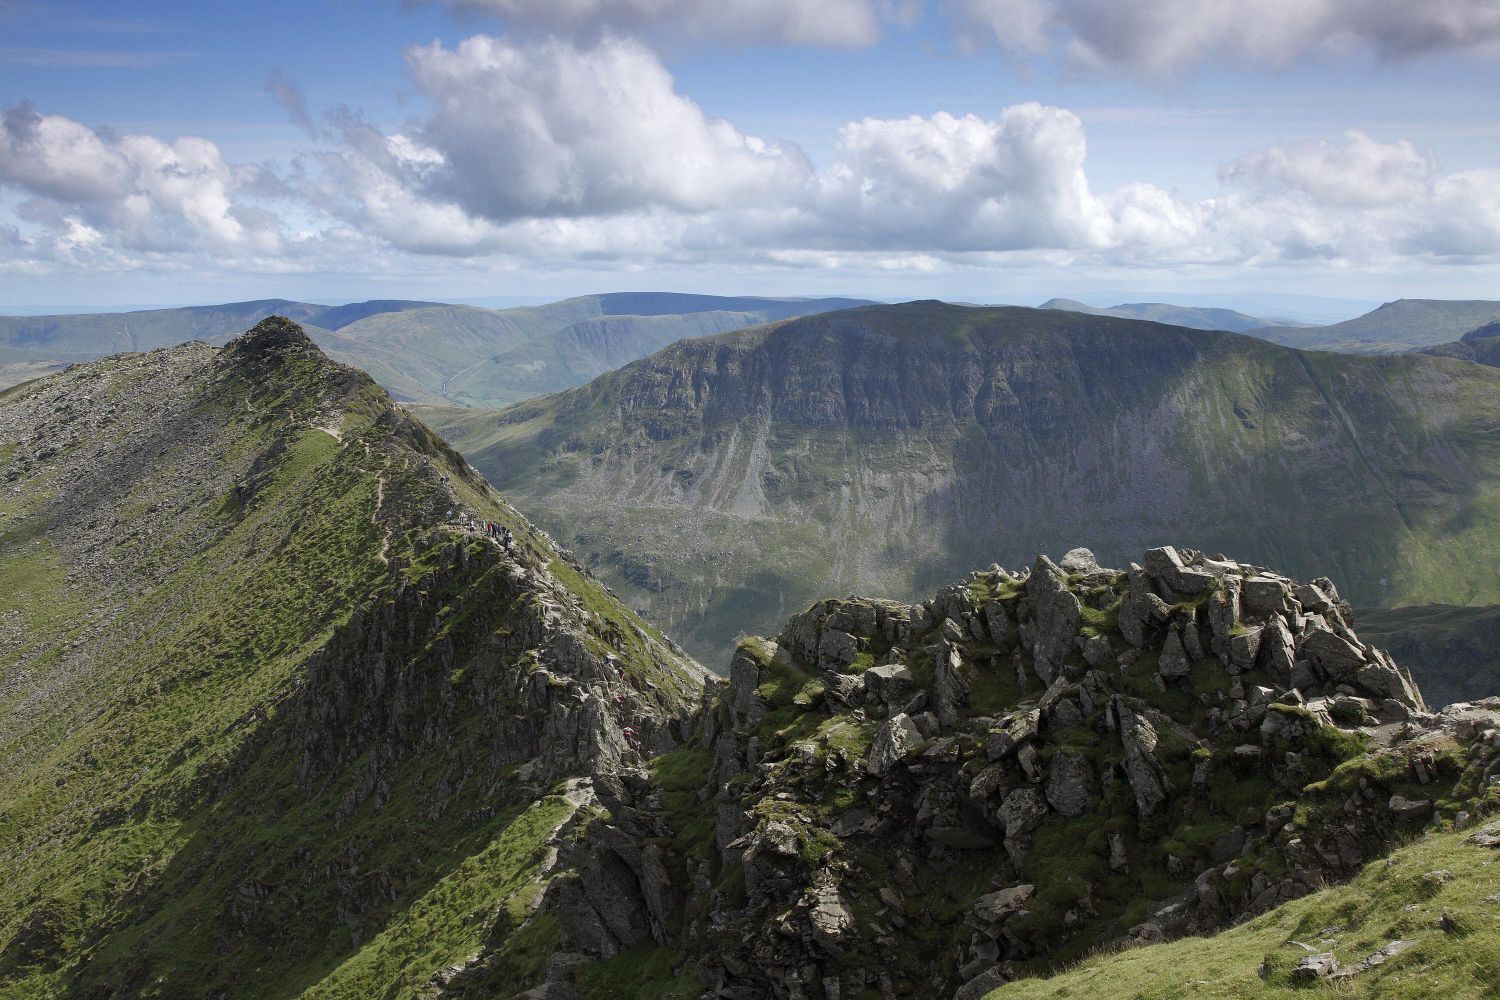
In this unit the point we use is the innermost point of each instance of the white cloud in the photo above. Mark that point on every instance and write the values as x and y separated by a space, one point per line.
552 129
135 190
1162 36
969 183
563 155
1355 200
737 22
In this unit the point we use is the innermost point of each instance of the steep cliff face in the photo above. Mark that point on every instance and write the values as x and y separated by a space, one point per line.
728 481
935 799
272 700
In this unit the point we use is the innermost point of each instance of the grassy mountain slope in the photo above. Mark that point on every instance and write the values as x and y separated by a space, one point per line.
1454 949
1403 325
729 480
1192 317
264 698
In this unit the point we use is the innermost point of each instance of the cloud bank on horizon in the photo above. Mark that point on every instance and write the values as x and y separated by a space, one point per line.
565 140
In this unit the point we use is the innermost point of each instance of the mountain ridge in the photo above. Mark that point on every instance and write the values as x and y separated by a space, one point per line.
267 685
728 479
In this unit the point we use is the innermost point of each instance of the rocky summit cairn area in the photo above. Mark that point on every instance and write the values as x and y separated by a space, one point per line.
933 799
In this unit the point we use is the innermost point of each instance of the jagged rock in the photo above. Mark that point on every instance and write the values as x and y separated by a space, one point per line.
1079 560
1138 737
1097 652
893 741
836 649
831 920
1319 966
1262 596
1312 598
1244 648
1224 613
1018 729
950 685
1056 614
1167 565
1119 858
1071 786
982 985
1373 960
1404 809
1020 814
1331 655
890 683
1486 836
997 907
1277 654
1173 661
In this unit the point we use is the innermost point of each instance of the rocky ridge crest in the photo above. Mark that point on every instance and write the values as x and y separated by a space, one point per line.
933 799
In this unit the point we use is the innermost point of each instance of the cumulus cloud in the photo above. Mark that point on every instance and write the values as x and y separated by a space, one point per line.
738 22
1162 36
143 192
552 129
565 151
1354 199
558 153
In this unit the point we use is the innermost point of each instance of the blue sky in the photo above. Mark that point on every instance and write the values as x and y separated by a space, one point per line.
996 150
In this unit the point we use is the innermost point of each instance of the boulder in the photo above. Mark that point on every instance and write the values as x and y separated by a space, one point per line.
1224 614
998 907
1071 787
1316 967
831 920
1486 836
890 683
1174 661
950 686
1404 809
1056 615
1277 652
1244 649
893 740
1141 767
836 649
1331 655
1020 814
1263 596
1079 560
1018 729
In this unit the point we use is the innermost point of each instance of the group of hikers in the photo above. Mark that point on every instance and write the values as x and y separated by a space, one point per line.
499 532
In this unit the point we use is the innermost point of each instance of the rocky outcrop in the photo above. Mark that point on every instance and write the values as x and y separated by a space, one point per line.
1018 763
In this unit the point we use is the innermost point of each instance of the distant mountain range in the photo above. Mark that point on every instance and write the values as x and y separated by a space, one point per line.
1192 317
1403 325
727 481
420 351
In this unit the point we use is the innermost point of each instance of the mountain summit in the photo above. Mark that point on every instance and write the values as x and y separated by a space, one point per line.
727 481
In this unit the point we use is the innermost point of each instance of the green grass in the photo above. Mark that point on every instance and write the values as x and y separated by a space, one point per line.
1388 901
646 972
437 930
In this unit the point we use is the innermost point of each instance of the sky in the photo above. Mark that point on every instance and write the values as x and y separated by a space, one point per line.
1265 153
